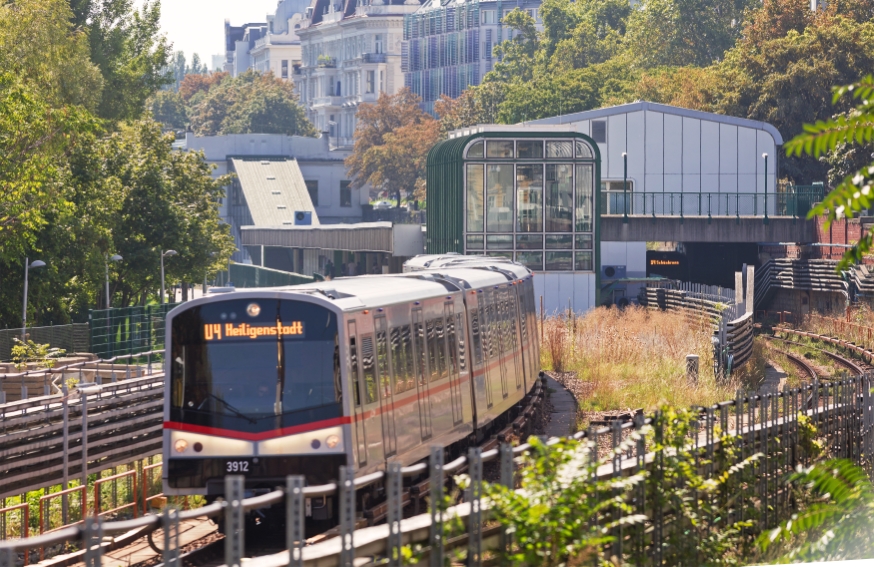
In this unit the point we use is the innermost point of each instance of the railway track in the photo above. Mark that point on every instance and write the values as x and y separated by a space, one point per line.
798 361
856 367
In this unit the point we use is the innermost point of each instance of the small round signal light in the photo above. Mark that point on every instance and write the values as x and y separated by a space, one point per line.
198 447
316 444
181 445
253 310
332 441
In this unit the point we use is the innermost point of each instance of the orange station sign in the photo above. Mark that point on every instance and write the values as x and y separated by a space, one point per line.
218 331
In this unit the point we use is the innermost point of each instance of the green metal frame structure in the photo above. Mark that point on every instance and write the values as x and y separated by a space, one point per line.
446 190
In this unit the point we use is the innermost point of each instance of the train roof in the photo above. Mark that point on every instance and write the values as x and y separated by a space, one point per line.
362 292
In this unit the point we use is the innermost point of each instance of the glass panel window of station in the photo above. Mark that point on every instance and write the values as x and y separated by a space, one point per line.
532 200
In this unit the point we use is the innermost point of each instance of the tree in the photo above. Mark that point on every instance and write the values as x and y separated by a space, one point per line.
168 201
196 84
856 127
168 108
129 50
392 141
683 32
250 103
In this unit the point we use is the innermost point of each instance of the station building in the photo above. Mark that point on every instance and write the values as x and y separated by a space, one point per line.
536 192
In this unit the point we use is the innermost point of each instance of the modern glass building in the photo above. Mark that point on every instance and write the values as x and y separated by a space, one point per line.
448 44
523 194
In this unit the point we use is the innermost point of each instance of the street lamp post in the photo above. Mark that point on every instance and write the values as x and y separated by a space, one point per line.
625 187
107 258
766 187
27 266
163 253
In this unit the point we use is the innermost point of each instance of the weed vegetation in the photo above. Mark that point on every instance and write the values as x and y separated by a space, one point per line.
635 358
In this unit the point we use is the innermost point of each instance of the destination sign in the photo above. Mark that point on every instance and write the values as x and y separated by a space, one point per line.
654 262
218 331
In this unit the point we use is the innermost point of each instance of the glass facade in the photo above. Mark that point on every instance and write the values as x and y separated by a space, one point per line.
532 200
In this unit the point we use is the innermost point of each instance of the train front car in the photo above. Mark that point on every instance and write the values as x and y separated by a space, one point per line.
254 389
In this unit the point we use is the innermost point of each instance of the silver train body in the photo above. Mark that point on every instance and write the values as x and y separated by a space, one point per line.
354 371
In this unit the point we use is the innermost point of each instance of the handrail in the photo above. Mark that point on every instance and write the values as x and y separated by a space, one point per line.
100 481
25 523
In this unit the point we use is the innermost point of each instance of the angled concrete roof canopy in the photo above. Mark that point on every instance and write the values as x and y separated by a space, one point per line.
274 190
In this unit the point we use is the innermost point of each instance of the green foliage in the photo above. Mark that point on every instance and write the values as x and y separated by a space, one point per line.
127 46
853 193
250 103
835 524
28 352
168 108
563 511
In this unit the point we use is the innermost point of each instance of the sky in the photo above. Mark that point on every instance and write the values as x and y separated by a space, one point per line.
198 26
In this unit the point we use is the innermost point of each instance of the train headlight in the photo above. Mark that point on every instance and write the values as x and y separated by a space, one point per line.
332 441
181 445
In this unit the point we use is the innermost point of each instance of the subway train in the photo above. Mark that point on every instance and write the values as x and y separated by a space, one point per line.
357 371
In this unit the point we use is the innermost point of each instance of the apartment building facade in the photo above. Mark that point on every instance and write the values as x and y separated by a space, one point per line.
350 54
271 46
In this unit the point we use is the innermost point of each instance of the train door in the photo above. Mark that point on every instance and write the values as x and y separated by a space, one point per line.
453 361
356 383
373 436
386 388
421 358
500 335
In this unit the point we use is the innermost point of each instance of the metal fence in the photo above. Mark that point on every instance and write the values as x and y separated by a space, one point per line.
247 275
72 338
794 202
767 442
127 330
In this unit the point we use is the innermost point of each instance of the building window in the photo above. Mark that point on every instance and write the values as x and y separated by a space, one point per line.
599 131
377 43
345 194
313 190
559 261
499 197
285 68
475 196
559 197
531 260
584 181
371 78
529 204
489 17
381 81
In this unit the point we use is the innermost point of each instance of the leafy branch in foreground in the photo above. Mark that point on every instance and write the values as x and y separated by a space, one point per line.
853 194
836 525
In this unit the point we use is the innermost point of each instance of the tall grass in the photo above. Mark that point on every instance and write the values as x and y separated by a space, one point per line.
635 358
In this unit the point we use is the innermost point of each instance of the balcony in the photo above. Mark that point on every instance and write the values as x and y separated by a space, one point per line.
328 101
325 62
374 57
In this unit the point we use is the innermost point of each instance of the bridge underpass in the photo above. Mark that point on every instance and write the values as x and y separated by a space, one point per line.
703 229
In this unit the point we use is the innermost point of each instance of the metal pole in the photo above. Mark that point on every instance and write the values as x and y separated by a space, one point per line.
766 187
24 312
162 277
84 398
66 472
106 263
625 186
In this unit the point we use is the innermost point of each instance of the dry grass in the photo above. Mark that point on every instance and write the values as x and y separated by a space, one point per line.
634 358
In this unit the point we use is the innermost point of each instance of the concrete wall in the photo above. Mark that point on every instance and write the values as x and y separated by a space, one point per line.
560 289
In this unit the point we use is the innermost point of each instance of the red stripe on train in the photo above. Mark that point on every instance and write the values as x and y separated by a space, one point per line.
242 435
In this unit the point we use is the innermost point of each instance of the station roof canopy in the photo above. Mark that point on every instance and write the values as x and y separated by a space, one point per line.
274 189
398 240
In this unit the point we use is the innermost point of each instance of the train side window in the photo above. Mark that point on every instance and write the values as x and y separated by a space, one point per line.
382 359
402 358
476 336
451 339
436 349
420 339
353 365
367 365
442 362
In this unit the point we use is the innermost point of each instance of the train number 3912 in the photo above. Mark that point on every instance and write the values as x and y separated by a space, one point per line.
238 466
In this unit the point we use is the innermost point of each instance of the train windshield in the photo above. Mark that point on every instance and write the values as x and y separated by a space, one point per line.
255 365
